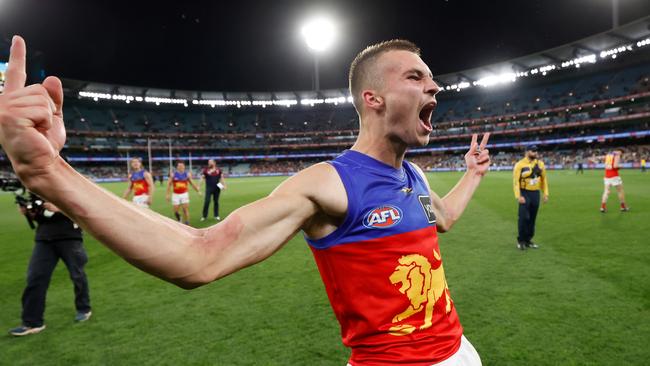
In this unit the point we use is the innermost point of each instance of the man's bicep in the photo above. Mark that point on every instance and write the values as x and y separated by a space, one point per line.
256 231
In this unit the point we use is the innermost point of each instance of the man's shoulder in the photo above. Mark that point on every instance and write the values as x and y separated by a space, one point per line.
320 183
321 172
419 171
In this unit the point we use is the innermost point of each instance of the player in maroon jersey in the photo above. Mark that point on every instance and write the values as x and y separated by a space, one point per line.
212 175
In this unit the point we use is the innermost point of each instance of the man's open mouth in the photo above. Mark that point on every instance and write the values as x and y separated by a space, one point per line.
425 116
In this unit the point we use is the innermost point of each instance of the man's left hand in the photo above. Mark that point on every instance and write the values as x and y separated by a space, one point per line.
477 158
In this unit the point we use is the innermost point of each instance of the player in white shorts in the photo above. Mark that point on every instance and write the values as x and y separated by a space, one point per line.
180 180
140 183
612 179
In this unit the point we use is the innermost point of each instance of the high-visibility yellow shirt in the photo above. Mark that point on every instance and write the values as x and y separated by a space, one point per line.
529 175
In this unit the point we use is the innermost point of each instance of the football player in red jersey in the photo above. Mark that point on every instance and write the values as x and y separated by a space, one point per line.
394 94
179 181
140 183
613 179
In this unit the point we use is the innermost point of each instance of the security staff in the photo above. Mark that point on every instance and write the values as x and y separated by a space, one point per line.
529 176
57 237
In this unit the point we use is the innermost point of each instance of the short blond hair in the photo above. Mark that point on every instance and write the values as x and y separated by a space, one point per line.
360 69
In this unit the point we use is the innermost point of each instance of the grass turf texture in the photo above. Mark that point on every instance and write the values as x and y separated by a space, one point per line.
582 299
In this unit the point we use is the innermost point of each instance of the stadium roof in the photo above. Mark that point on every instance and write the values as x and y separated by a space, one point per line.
627 34
604 45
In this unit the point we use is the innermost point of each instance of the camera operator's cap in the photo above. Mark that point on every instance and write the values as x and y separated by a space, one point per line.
532 148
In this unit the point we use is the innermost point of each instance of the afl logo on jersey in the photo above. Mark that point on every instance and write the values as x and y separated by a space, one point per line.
382 217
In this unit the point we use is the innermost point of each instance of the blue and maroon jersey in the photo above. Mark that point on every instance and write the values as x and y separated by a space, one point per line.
382 268
139 183
180 182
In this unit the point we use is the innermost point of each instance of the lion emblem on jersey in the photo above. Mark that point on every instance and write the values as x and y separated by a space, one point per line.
423 286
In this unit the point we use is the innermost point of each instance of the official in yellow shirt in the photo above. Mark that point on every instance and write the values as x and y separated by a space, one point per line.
643 165
529 177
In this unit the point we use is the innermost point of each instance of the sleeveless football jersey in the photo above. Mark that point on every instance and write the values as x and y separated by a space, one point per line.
610 170
138 183
180 182
382 268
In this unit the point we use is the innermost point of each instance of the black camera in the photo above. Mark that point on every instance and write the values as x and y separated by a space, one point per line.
32 203
12 185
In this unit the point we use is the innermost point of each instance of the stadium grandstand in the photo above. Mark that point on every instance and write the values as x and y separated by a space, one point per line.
574 102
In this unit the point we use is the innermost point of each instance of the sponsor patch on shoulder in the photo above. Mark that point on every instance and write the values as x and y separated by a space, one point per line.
382 217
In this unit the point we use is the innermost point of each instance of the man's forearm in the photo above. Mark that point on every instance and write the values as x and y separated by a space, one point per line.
457 199
144 238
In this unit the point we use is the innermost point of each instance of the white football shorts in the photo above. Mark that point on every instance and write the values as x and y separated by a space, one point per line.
180 198
141 200
613 181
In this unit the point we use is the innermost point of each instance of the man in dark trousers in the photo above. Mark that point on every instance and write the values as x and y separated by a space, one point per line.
214 183
580 169
529 177
57 237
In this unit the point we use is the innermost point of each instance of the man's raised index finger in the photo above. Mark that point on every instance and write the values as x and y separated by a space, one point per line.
15 76
484 141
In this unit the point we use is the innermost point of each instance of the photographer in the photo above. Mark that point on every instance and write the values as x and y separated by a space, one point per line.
57 237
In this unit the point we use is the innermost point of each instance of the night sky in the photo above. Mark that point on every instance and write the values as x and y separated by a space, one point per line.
255 45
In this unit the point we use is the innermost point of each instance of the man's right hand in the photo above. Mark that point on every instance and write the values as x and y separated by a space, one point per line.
31 118
521 199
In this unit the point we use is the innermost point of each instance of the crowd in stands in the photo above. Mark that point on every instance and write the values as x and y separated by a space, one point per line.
556 158
588 97
279 167
589 104
566 159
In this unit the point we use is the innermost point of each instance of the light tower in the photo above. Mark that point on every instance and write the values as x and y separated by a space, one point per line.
319 34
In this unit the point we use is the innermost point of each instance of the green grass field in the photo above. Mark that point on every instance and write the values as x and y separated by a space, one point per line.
582 299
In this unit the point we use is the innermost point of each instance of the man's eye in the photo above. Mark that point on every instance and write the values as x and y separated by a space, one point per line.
414 77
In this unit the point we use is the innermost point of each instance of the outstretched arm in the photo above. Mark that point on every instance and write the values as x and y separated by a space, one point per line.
176 253
32 133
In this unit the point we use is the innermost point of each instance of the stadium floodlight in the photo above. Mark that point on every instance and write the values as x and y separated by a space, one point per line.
319 33
508 77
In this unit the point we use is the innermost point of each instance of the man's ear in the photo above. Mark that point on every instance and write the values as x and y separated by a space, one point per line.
372 100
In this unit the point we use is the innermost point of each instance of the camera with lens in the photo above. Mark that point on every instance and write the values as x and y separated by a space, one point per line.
32 203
